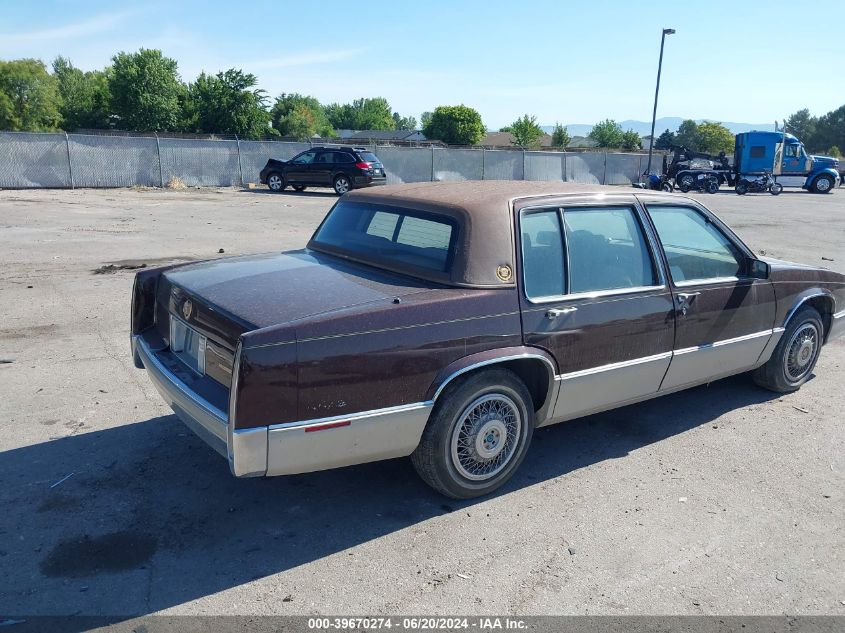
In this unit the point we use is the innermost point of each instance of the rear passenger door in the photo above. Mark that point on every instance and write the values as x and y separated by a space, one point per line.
595 296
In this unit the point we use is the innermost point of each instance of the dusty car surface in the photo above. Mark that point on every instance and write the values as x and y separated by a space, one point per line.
447 321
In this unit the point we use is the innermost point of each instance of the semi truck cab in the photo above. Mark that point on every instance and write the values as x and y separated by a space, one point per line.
783 155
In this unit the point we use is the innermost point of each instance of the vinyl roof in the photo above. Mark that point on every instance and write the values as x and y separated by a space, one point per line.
484 254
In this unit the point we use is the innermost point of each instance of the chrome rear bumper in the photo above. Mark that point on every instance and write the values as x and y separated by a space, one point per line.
246 450
296 447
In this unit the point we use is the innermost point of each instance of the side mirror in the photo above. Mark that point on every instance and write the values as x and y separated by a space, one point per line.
757 268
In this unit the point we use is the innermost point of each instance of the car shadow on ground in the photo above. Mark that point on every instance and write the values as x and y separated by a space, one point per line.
152 517
308 193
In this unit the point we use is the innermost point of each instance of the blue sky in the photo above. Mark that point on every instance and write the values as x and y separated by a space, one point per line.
573 62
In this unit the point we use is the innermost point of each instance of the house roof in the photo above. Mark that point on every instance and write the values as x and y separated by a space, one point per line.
505 139
385 135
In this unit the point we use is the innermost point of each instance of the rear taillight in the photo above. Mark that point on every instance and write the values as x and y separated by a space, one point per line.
363 165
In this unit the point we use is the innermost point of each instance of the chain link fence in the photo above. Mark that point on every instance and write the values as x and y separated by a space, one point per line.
36 160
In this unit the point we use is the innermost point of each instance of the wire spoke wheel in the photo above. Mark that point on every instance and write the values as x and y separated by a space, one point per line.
486 436
801 352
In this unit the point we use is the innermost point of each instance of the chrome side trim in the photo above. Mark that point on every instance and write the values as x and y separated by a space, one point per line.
598 294
729 341
352 417
711 280
355 439
839 315
494 361
612 366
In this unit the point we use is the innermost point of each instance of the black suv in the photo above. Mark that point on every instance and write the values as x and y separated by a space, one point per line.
342 168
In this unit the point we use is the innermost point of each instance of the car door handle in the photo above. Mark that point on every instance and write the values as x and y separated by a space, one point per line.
685 299
558 312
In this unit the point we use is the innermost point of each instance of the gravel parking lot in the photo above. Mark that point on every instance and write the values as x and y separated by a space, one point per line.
725 499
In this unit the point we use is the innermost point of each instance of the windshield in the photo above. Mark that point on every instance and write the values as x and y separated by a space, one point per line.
388 237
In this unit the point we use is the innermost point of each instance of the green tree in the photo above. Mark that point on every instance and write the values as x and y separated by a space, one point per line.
631 141
665 140
425 119
29 96
227 103
687 134
455 125
607 133
713 138
560 137
147 94
300 123
86 101
802 124
526 132
834 151
361 114
404 122
288 116
830 130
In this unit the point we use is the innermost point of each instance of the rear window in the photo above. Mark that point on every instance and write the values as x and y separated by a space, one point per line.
369 157
388 237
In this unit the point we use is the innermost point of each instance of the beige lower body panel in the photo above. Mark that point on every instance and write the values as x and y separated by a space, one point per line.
585 392
368 437
709 362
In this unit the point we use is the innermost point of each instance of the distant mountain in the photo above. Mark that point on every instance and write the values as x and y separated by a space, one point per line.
643 128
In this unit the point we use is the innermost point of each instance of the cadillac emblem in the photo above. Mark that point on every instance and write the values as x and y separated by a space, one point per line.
504 273
187 309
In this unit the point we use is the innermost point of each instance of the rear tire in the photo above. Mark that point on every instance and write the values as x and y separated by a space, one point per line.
795 355
712 186
685 182
342 184
741 188
477 436
275 181
823 184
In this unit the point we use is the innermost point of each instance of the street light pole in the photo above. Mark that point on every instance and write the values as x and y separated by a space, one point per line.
656 91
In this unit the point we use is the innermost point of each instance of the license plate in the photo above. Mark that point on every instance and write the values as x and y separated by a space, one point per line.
187 345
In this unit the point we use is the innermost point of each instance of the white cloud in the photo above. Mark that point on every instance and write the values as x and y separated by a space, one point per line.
91 26
308 58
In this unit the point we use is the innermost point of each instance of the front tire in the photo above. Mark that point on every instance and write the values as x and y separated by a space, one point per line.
685 182
342 184
477 436
796 353
823 184
775 189
275 181
712 186
741 188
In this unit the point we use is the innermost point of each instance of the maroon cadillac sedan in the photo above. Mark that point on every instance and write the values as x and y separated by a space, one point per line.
447 321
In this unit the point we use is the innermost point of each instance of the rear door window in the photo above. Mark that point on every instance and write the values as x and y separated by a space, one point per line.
606 250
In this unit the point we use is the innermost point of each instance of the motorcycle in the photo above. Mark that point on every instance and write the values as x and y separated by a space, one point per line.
655 182
690 181
758 185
